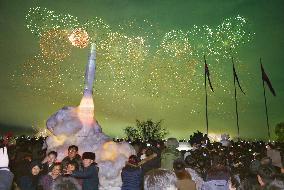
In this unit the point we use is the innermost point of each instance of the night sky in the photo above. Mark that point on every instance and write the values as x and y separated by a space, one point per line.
149 62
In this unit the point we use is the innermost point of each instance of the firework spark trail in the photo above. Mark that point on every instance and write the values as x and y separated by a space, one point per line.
137 59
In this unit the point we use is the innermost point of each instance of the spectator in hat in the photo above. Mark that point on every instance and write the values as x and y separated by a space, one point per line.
131 174
170 153
89 175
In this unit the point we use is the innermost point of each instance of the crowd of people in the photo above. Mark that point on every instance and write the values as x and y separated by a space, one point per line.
157 165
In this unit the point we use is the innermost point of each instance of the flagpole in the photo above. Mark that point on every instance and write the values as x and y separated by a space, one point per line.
236 101
265 103
206 99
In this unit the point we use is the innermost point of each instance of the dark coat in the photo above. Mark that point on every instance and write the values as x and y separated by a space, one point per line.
150 164
29 182
77 159
47 181
131 177
6 179
90 177
46 168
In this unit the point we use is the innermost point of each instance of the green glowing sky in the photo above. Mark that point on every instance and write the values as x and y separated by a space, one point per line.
147 65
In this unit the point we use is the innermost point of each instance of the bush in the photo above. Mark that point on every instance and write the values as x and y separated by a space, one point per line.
146 131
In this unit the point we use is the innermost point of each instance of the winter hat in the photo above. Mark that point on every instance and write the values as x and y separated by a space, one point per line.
133 159
35 163
89 155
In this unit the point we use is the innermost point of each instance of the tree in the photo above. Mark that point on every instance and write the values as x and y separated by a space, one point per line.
146 131
279 131
131 133
197 137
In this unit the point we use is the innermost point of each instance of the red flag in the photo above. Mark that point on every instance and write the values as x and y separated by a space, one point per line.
237 78
208 75
266 79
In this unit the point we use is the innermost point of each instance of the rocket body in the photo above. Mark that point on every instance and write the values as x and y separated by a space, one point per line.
90 72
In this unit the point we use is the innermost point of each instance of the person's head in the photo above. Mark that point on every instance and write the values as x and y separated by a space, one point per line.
149 152
179 168
56 170
72 166
35 167
179 165
66 183
133 159
51 157
265 175
160 179
172 143
88 158
190 162
269 146
266 161
72 151
277 184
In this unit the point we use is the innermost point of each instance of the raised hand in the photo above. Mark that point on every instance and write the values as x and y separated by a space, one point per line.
4 160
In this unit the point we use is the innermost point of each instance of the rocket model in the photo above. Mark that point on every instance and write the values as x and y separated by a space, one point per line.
90 71
86 107
87 100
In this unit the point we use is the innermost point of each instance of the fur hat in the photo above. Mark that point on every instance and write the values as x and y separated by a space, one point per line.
35 163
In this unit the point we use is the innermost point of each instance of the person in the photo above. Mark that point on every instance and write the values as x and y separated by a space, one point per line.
73 167
48 162
89 173
131 174
31 181
6 176
159 179
184 181
250 181
22 165
191 166
149 162
267 177
66 183
170 153
275 156
72 156
218 176
47 181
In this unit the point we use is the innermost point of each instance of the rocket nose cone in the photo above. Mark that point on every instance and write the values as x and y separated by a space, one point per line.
93 47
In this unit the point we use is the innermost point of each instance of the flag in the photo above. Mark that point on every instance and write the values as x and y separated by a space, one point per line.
237 78
208 75
266 79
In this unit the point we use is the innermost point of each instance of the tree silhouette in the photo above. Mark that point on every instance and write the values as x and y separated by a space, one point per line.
146 131
279 131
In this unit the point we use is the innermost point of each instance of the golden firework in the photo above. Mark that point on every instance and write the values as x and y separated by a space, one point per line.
79 38
54 44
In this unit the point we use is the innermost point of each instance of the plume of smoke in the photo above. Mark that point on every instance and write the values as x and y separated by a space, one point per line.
67 129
